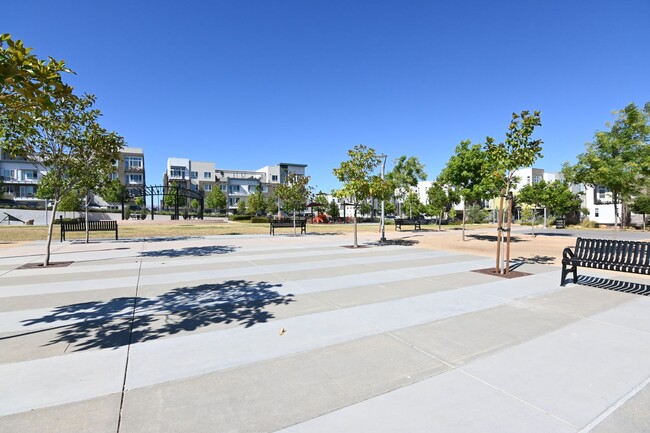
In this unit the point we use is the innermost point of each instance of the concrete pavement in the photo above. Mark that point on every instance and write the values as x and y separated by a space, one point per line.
303 334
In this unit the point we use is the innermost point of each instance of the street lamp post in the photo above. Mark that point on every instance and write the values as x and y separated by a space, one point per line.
383 207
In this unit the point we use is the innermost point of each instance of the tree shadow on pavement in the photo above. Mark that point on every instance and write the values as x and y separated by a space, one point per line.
534 260
114 323
492 238
190 251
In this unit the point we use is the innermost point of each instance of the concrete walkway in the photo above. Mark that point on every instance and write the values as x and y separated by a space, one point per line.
304 334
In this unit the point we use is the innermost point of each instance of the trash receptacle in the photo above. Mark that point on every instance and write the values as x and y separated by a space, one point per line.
560 223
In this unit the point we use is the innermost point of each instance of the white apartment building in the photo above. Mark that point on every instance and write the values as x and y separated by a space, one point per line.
20 177
237 185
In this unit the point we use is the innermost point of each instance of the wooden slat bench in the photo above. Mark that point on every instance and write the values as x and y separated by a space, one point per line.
276 223
93 226
399 222
611 255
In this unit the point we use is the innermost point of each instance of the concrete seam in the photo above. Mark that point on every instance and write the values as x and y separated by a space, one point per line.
613 408
128 349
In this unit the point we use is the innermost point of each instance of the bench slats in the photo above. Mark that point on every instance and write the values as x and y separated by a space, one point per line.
93 226
622 256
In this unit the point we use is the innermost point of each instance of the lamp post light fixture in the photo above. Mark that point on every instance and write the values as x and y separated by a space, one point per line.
383 207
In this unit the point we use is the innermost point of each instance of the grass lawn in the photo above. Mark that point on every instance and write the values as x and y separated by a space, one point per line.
18 233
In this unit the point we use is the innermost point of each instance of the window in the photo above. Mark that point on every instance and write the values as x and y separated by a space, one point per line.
177 172
194 187
207 175
274 177
8 174
28 175
602 193
114 176
223 188
131 162
134 178
207 187
27 191
234 188
194 174
596 213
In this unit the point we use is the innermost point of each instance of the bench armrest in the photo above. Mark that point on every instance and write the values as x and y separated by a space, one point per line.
567 253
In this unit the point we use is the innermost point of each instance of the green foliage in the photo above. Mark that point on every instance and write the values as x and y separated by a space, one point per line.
359 180
241 207
559 199
259 219
256 202
619 158
114 191
272 205
294 193
172 197
476 215
413 205
239 218
389 208
321 199
194 204
333 209
215 199
642 205
406 173
518 150
70 202
365 208
28 85
466 173
588 224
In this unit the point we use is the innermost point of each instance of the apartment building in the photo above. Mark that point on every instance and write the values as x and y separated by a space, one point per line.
20 177
237 185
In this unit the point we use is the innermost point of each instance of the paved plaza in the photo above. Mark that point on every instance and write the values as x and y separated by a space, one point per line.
305 334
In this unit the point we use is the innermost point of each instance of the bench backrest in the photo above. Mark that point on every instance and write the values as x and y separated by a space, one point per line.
92 225
631 253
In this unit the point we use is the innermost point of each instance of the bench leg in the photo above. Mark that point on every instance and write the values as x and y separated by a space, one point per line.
565 272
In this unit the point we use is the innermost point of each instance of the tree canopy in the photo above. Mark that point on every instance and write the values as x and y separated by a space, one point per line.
616 159
294 193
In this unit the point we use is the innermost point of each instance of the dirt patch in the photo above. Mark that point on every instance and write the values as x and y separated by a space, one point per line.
51 265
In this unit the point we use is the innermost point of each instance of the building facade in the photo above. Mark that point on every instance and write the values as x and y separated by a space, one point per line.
20 178
237 185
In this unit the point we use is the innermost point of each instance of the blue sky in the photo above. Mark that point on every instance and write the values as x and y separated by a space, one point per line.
252 83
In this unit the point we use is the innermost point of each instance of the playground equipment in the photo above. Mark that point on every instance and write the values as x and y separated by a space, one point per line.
9 218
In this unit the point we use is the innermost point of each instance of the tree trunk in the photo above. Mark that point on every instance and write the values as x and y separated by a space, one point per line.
50 229
532 224
507 265
87 228
294 224
440 221
356 245
464 217
499 229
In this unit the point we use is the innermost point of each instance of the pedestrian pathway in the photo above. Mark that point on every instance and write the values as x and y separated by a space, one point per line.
304 334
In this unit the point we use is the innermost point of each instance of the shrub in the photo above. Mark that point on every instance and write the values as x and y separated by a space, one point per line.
239 217
588 224
259 219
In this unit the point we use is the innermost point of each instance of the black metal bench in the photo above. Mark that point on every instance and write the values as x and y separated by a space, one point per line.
93 226
276 223
611 255
399 222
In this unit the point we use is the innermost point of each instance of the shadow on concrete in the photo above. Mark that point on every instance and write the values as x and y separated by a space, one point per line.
618 286
535 260
159 239
493 238
121 321
190 251
398 242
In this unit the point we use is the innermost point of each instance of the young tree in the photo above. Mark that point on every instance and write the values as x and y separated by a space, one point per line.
294 194
66 139
359 180
405 174
241 207
115 191
617 159
465 172
518 151
256 203
333 209
216 199
413 204
533 195
439 200
559 200
642 206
